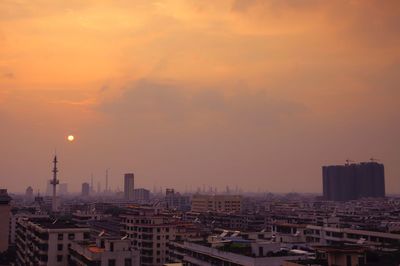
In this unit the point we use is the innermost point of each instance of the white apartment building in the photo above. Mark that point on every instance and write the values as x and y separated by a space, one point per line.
150 232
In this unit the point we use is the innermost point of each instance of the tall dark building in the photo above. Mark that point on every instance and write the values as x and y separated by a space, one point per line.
85 189
129 186
353 181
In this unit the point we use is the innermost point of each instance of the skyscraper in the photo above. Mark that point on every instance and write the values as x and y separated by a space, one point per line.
353 181
129 186
85 189
29 193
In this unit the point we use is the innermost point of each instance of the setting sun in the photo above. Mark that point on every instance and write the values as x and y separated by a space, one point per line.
70 138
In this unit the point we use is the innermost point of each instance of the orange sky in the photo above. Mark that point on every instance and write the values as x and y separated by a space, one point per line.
254 93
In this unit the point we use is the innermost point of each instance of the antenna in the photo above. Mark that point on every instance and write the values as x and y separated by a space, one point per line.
54 182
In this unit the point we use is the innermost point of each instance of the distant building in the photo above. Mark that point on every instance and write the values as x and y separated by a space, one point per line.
49 188
129 186
218 203
85 189
141 194
174 200
353 181
63 188
5 211
29 193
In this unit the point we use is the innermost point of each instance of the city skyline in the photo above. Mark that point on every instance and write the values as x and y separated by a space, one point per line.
247 93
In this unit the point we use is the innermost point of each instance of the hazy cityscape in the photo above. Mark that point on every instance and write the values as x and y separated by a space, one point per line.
200 133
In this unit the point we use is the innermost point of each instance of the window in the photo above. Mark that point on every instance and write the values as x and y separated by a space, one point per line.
111 262
71 236
348 260
86 235
59 258
60 247
128 262
60 236
111 246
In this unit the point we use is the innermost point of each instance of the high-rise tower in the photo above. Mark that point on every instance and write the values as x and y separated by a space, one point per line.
129 186
54 182
353 181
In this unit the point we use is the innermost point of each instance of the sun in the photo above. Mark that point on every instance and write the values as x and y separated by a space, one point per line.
70 138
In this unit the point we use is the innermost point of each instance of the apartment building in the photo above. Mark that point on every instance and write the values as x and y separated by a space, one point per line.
45 241
105 251
218 203
150 232
230 252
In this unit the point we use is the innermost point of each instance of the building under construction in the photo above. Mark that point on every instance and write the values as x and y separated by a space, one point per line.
353 181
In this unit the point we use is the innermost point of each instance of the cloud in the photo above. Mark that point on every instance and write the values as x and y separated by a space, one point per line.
8 75
174 103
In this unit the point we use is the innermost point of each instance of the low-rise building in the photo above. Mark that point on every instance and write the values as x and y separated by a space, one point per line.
218 203
230 252
105 251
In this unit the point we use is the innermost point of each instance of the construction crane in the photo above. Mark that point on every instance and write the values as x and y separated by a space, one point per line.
348 161
374 160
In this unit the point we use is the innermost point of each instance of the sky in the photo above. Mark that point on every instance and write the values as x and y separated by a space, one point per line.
257 94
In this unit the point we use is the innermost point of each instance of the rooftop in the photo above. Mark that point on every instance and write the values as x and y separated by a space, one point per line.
48 223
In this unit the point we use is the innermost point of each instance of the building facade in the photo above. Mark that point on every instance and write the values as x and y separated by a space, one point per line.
129 186
218 203
85 189
105 251
150 233
141 194
353 181
46 241
5 211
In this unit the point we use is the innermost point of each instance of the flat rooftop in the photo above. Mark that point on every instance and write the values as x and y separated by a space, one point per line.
55 223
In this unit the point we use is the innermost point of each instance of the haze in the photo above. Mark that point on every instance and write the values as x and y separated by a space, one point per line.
248 93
